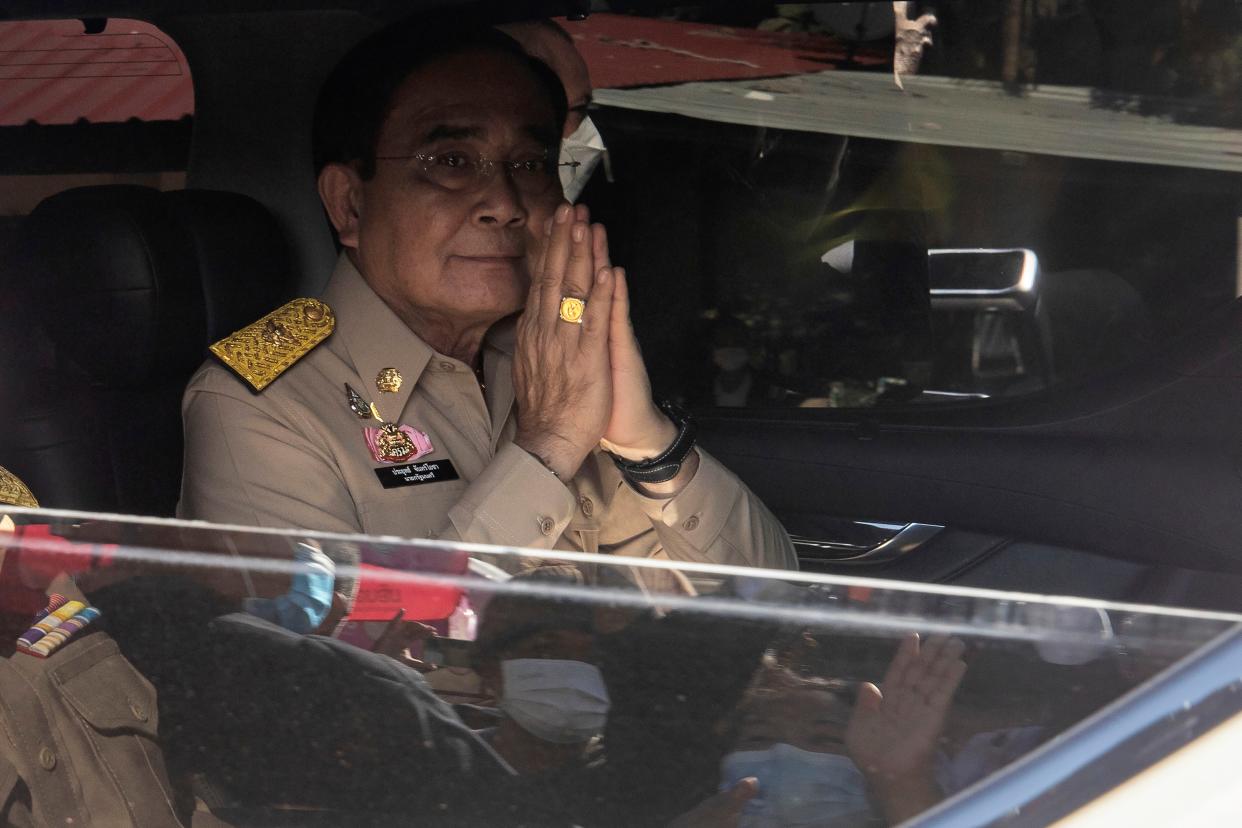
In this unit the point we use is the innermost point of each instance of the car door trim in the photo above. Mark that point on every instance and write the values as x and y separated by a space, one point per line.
907 538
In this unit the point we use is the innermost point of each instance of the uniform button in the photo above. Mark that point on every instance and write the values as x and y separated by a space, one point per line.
546 525
691 523
447 366
47 759
588 507
140 712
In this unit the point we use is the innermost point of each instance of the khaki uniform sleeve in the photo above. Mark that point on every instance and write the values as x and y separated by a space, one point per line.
514 502
246 465
716 519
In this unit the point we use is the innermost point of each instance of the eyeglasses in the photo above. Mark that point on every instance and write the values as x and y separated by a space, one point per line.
460 170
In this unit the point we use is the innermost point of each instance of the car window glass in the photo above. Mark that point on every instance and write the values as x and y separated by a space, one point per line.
308 675
1051 196
83 103
90 102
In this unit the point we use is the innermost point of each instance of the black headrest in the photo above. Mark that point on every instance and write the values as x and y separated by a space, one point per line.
132 283
114 278
243 261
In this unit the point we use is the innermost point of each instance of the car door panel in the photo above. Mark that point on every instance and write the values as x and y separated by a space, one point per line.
1142 468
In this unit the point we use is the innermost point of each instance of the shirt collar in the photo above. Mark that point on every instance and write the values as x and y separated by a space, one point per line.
375 338
503 335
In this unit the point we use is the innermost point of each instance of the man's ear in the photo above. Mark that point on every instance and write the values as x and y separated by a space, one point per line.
340 189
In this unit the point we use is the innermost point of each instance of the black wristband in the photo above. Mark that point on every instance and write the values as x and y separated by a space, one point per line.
665 467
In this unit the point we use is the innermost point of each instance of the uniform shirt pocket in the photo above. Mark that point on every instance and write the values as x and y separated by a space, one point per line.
108 693
119 719
419 511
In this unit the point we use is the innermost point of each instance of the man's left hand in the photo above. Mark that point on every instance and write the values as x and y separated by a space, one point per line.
637 429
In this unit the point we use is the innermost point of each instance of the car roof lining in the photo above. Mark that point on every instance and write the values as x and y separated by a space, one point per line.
378 9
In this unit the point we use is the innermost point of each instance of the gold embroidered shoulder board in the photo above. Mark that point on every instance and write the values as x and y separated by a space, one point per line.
13 491
263 350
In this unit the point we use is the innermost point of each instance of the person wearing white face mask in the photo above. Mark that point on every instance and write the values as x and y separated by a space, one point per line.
563 701
803 758
581 152
540 666
582 147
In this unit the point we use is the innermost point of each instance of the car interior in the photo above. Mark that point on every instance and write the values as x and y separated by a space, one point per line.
991 350
1091 454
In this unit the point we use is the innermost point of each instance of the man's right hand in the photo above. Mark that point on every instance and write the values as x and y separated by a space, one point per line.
561 371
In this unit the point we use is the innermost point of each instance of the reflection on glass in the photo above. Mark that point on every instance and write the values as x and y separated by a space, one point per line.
777 139
790 700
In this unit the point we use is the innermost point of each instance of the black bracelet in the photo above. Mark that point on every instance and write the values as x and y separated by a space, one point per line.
665 467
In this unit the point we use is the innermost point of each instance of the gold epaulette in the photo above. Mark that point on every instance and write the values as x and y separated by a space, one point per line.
13 491
263 350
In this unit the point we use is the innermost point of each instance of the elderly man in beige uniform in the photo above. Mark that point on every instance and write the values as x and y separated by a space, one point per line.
470 373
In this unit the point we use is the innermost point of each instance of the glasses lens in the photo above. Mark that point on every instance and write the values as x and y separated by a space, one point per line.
452 170
458 170
535 174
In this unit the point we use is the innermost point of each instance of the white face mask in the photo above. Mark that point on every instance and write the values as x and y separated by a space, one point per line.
585 147
796 787
558 701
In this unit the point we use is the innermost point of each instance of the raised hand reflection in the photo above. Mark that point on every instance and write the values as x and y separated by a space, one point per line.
823 753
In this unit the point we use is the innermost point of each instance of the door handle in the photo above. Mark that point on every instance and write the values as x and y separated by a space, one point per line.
896 540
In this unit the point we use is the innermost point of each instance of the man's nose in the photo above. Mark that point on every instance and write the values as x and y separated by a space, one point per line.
500 201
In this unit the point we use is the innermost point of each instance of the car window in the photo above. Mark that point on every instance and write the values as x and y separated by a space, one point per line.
83 104
1050 197
104 101
305 675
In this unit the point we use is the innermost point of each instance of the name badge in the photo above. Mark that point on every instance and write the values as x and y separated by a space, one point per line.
416 474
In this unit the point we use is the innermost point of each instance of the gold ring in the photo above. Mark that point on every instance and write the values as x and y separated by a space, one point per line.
572 310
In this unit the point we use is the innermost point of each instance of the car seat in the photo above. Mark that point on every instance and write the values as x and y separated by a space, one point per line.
121 290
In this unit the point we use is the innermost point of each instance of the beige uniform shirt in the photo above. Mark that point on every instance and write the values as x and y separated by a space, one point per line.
295 456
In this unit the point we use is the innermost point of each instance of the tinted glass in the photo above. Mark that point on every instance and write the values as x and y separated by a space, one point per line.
82 104
807 186
307 679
